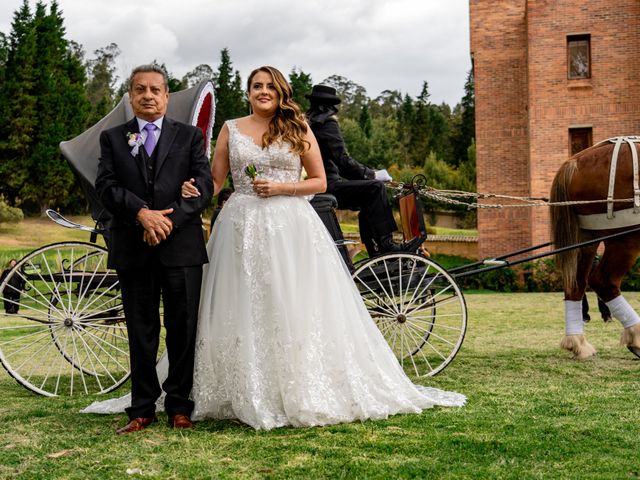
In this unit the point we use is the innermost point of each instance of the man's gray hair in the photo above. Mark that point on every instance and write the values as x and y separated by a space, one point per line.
149 67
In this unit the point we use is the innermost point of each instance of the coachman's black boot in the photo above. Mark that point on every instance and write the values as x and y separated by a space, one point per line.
387 245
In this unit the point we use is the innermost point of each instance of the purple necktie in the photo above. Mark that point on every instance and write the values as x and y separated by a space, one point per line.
150 141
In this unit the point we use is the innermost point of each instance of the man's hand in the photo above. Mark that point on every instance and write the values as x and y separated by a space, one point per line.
157 226
383 175
146 238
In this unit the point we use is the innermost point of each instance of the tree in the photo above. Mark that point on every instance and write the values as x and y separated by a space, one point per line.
62 111
101 82
355 139
230 101
429 130
366 125
175 84
4 52
353 96
468 168
45 104
197 75
420 139
386 104
301 84
17 131
406 116
385 148
464 130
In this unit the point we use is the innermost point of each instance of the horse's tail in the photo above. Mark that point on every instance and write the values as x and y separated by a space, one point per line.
565 229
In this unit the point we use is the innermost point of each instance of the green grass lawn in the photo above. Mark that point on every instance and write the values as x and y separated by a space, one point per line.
532 412
455 232
18 239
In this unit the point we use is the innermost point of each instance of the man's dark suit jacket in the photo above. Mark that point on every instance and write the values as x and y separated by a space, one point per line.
125 185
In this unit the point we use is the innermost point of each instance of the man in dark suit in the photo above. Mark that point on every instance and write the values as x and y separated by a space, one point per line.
355 186
156 241
12 290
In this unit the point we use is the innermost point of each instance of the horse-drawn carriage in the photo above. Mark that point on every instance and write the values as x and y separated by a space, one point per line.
69 335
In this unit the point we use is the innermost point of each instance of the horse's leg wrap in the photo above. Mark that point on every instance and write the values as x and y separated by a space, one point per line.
574 340
621 310
573 322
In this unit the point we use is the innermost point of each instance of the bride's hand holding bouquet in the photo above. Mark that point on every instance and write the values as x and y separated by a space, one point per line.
266 188
260 186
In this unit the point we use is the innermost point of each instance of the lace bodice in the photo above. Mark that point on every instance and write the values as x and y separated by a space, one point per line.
276 162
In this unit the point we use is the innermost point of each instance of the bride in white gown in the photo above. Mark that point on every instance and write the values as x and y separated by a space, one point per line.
284 337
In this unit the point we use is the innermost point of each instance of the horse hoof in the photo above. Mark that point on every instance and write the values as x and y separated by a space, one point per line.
578 346
634 350
606 318
585 354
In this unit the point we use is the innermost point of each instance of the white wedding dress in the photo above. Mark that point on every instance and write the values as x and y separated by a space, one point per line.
283 336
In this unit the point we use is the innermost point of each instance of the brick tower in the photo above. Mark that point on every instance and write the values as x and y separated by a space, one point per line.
551 78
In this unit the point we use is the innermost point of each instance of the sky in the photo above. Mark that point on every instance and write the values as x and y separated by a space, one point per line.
379 44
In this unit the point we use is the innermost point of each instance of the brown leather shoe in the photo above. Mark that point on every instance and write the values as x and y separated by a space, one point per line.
137 424
180 421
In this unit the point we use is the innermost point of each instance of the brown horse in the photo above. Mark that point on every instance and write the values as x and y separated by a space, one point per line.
585 177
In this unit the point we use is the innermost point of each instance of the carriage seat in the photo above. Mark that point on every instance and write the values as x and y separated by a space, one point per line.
321 198
325 206
323 201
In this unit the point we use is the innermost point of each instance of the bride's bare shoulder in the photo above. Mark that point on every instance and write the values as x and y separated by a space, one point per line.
242 121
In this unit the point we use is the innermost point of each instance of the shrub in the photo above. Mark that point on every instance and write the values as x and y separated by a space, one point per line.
9 214
499 280
542 275
631 281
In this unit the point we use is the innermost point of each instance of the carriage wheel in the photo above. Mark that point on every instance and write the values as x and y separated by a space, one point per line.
112 307
418 308
69 336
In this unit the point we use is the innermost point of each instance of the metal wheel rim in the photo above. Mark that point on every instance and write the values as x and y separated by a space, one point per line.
418 307
69 336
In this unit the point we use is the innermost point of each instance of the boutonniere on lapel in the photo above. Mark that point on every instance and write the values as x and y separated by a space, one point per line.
134 140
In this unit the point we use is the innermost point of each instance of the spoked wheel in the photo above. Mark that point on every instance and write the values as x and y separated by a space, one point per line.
112 308
69 335
418 308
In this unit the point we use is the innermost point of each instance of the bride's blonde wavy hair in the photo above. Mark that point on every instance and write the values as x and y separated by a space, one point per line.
288 124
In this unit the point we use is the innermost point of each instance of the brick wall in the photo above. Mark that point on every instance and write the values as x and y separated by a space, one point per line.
498 46
466 247
525 104
609 101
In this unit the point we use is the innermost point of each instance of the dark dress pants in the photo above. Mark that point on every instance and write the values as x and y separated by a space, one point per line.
11 301
11 294
142 289
370 197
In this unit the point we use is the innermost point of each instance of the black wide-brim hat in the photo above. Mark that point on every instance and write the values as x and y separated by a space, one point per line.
323 94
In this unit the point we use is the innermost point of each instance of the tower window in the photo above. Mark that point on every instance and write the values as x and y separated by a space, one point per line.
579 56
579 139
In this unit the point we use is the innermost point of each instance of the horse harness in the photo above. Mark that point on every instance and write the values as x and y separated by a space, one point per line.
620 218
